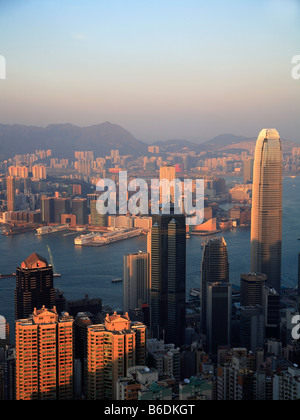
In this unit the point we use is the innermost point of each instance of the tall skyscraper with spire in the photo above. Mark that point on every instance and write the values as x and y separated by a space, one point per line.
266 218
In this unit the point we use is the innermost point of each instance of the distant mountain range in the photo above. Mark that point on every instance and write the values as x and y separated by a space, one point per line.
65 139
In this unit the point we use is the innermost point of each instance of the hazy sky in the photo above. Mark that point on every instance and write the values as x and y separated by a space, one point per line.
162 69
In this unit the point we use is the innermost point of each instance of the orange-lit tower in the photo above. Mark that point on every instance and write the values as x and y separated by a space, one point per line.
113 347
266 215
44 356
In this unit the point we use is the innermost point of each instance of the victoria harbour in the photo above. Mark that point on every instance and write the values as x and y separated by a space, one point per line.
89 270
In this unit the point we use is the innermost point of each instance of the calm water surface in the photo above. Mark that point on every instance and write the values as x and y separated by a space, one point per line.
89 270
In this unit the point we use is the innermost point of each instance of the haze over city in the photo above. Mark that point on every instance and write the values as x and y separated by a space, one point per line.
161 69
149 202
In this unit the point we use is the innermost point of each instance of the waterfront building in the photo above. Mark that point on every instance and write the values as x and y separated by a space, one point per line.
47 209
266 218
97 219
136 285
79 208
11 193
34 286
44 356
61 206
168 277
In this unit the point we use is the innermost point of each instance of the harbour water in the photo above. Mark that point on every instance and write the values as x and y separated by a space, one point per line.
90 270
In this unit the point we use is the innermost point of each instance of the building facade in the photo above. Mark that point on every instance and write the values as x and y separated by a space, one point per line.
44 356
266 218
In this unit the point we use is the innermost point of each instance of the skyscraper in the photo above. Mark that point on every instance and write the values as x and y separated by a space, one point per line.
34 286
79 207
252 289
11 193
248 171
218 318
266 219
167 173
44 356
214 269
136 285
168 277
47 209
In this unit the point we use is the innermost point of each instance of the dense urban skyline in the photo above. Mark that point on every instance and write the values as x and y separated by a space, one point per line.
135 269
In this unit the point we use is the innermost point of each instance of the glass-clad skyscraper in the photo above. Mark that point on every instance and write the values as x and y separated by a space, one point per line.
266 219
168 277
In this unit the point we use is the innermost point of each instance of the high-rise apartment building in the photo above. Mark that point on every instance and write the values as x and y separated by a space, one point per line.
44 356
112 348
248 171
136 285
79 208
167 173
97 219
47 209
34 286
61 206
214 269
168 277
266 218
11 193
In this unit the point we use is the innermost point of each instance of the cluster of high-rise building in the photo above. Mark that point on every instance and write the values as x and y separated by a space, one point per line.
234 345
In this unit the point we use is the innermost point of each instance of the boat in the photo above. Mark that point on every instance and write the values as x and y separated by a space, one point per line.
84 239
97 239
117 280
46 230
188 236
195 292
56 275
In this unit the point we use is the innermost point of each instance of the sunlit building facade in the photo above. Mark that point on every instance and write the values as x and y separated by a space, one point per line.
266 219
44 356
112 348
